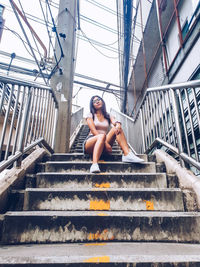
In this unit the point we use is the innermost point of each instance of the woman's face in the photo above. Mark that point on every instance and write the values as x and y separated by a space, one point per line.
97 103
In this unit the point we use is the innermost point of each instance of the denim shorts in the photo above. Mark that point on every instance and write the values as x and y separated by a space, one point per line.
88 137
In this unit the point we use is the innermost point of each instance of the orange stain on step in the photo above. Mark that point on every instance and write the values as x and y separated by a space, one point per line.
105 235
98 259
149 205
99 205
103 185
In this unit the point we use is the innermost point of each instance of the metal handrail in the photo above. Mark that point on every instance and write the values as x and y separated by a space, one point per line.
166 87
28 113
173 149
11 80
170 114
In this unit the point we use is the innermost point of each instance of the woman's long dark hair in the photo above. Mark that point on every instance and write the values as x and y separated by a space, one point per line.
92 109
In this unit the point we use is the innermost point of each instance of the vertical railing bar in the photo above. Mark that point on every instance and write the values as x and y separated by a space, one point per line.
162 116
31 136
19 119
48 114
2 96
142 126
144 123
171 119
29 121
12 123
44 113
36 114
184 122
39 114
50 119
154 110
148 120
177 125
151 119
196 107
23 126
191 124
54 129
156 99
166 119
3 133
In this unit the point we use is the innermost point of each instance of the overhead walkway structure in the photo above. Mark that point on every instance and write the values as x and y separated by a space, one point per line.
54 212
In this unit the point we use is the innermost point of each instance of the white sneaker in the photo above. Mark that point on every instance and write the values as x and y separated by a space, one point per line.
94 168
131 158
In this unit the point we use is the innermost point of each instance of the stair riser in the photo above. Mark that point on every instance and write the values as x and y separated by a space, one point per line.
87 157
52 229
104 200
104 167
101 181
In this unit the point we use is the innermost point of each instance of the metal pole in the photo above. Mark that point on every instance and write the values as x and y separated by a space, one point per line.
178 128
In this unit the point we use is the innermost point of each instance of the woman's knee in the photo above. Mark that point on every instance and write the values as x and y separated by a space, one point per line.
101 137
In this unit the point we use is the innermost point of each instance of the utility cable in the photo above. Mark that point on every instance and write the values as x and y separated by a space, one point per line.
47 28
58 39
41 57
23 41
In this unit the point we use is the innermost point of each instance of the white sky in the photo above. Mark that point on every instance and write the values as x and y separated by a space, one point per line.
89 61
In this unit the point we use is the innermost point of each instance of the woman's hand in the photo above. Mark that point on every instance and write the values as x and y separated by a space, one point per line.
118 128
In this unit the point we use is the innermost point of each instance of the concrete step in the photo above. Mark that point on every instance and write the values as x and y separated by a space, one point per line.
80 150
81 156
104 199
84 226
68 166
111 180
105 254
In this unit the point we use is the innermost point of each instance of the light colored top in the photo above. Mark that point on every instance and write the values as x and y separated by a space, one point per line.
101 126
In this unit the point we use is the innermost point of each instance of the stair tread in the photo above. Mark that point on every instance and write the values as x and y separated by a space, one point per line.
104 189
104 213
127 252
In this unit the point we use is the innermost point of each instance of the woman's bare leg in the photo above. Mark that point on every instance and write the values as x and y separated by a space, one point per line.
95 146
121 140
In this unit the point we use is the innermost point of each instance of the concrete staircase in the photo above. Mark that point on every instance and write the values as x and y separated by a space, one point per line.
126 216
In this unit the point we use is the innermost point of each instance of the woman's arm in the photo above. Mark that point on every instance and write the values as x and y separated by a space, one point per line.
91 125
116 124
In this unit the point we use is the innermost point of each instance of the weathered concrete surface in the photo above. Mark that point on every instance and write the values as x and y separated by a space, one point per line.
187 180
81 156
107 167
85 226
131 255
111 180
15 176
104 199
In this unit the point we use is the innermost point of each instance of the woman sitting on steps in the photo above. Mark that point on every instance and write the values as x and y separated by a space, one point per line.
100 139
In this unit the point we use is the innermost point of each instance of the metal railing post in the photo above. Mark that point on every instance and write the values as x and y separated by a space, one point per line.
177 125
23 127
